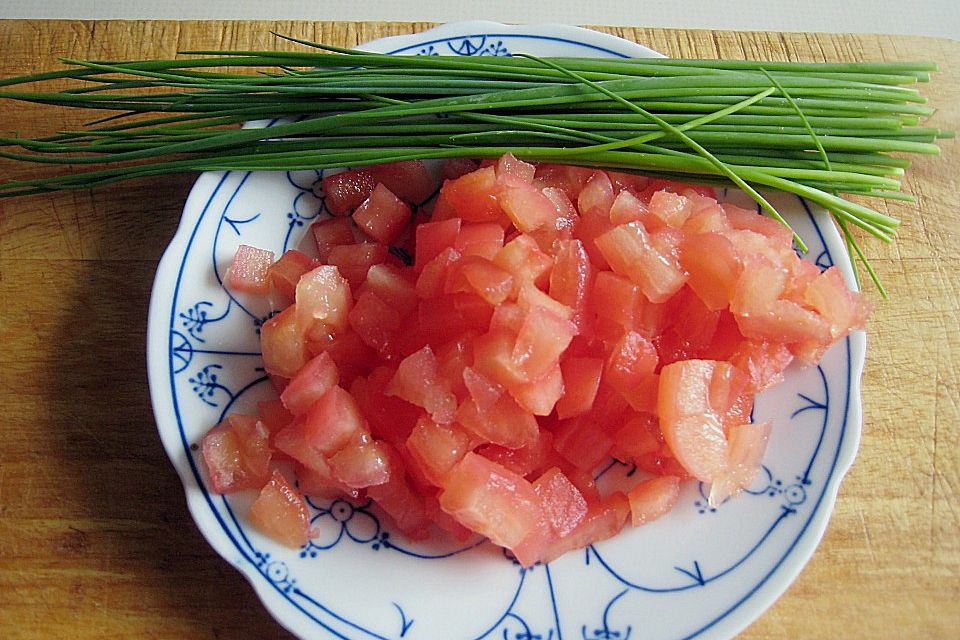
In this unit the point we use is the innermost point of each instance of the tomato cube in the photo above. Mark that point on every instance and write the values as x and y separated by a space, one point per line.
483 239
525 205
475 274
323 296
382 216
631 252
237 454
332 421
281 513
330 233
653 498
473 196
491 500
410 180
284 274
436 448
316 377
354 260
416 381
361 463
581 378
249 269
505 423
282 343
345 191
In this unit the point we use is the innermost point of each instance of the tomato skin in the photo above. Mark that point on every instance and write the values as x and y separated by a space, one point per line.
410 180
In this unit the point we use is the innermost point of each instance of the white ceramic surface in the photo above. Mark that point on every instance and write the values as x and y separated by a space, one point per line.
698 572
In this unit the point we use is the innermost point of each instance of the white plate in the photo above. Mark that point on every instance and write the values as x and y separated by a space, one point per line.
696 572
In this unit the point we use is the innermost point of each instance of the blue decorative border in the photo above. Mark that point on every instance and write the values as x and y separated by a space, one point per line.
510 623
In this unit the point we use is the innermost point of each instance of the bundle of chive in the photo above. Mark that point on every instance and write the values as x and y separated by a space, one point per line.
813 129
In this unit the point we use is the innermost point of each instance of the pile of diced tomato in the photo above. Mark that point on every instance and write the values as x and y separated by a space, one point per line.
469 368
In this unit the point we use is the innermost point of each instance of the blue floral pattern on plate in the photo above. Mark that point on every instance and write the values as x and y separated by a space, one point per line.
701 571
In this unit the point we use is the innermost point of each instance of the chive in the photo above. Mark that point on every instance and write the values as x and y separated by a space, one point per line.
821 131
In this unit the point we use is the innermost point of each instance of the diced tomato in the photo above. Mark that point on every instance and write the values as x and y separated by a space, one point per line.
393 285
748 442
485 497
330 233
434 238
354 260
653 498
390 418
631 359
571 277
417 382
523 258
282 344
525 460
284 274
630 252
401 502
563 505
237 454
493 357
531 338
249 269
543 336
627 208
714 267
539 395
473 196
323 296
347 350
638 436
484 391
383 216
582 442
312 381
445 317
453 168
484 239
581 379
525 205
672 209
436 448
410 180
475 274
332 421
568 178
361 463
433 276
505 422
281 513
603 520
597 195
273 415
345 191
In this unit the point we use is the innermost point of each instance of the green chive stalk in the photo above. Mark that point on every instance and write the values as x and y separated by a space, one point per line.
822 131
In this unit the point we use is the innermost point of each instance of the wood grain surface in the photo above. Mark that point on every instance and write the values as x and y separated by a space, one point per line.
95 537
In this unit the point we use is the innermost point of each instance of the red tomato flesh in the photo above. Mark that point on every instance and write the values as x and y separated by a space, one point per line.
554 317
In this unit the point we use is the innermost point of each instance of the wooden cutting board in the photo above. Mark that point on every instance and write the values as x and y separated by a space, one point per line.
95 537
